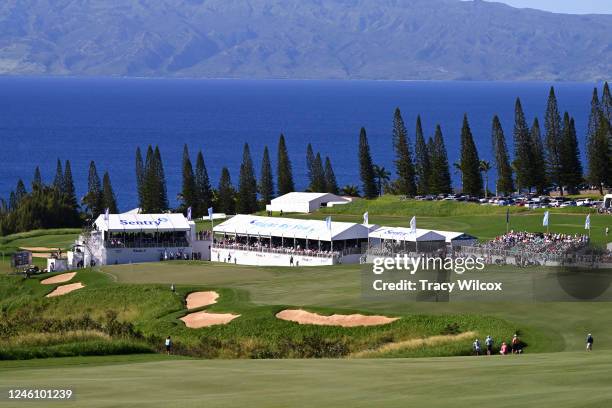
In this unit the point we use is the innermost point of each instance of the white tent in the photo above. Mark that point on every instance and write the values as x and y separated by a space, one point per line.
304 202
131 222
406 234
290 227
457 238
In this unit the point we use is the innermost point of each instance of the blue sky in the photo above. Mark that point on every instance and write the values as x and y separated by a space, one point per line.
565 6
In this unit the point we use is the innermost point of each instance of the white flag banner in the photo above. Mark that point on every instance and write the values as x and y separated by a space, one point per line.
189 214
587 222
106 214
365 218
545 220
328 223
413 225
210 213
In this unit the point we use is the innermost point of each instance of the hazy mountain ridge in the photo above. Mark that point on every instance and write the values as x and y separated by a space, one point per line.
387 39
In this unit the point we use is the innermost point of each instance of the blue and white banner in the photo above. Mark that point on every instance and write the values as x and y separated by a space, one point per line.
210 213
106 214
189 214
365 218
328 223
413 225
545 220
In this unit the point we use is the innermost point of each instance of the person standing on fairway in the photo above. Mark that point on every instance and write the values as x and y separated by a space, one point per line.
168 345
489 344
476 347
589 342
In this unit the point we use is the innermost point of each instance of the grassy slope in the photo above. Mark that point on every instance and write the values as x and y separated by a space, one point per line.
484 222
544 380
562 324
51 238
155 310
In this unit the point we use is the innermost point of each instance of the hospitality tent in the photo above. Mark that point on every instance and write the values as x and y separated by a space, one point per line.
131 222
400 239
304 202
253 225
454 238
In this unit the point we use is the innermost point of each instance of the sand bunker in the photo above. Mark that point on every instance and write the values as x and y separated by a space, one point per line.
61 278
201 299
205 319
39 249
64 289
304 317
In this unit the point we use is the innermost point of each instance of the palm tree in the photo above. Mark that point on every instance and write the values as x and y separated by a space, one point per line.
350 190
382 177
485 167
458 170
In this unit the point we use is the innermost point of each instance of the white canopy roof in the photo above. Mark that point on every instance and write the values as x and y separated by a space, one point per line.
406 234
131 222
454 235
291 227
298 196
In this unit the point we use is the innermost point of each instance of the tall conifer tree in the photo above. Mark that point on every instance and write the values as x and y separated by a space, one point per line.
571 168
108 195
523 149
318 175
440 172
552 127
403 156
366 167
69 190
226 201
310 158
140 174
599 160
161 176
284 172
37 182
505 184
266 183
58 181
331 185
470 162
539 159
606 102
93 199
188 192
421 160
202 187
247 184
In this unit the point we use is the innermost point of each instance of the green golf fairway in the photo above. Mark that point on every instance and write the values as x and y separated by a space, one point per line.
544 380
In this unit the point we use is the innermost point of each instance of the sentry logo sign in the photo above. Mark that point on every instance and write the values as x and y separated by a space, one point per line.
283 226
156 222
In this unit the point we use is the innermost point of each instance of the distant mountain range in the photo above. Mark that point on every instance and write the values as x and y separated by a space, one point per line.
344 39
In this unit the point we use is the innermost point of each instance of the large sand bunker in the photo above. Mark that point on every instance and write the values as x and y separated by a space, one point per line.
201 299
205 319
64 289
353 320
61 278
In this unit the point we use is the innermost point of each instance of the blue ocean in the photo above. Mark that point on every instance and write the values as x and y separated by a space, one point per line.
83 119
